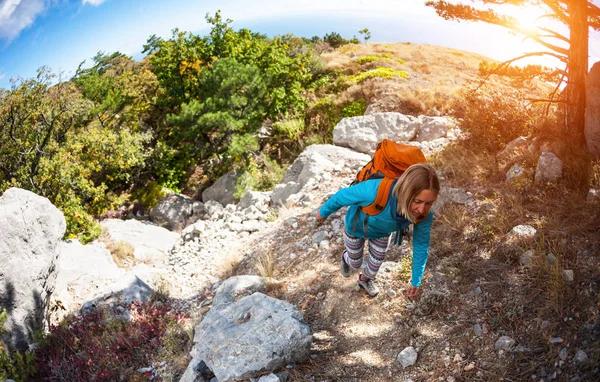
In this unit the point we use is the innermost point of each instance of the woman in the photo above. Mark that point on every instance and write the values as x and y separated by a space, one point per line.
409 202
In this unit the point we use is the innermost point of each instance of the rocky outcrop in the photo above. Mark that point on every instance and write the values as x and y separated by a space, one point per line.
223 189
30 243
247 334
314 165
364 133
592 110
175 212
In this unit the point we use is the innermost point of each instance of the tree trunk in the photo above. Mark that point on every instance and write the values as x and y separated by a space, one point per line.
577 70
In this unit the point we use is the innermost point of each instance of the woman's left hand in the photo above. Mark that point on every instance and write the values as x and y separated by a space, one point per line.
413 291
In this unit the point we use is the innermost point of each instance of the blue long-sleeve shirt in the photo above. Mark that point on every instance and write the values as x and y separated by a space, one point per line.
382 224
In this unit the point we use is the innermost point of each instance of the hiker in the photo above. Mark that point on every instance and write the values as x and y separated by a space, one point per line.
409 202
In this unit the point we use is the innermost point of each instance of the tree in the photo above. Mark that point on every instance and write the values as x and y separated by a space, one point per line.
572 50
366 33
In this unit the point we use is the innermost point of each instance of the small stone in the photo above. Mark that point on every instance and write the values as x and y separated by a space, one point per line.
478 290
407 357
391 293
556 340
457 358
478 330
269 378
504 343
568 275
563 354
551 259
470 366
580 356
592 195
526 258
450 379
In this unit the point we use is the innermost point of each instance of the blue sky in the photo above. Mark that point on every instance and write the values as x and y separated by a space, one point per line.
62 33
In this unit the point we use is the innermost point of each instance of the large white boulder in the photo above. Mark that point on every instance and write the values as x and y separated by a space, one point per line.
151 243
247 332
30 243
363 133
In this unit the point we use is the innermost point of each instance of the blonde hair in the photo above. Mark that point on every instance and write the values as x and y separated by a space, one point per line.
416 178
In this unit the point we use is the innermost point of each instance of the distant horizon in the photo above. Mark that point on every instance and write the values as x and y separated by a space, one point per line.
62 37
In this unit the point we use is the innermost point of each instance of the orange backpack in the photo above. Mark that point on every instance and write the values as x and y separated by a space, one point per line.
389 161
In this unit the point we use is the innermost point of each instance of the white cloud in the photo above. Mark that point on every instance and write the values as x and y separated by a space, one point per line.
93 2
16 15
2 75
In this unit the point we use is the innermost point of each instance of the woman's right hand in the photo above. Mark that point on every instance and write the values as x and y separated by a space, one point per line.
319 218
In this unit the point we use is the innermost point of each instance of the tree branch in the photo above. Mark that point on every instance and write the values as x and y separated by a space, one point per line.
508 62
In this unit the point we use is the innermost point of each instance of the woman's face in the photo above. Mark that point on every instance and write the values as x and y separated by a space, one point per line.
422 203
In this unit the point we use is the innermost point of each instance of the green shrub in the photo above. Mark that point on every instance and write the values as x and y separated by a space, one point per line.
149 195
380 72
367 59
354 109
291 129
261 177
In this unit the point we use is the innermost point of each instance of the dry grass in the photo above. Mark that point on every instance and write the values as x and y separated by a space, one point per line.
265 265
121 251
437 76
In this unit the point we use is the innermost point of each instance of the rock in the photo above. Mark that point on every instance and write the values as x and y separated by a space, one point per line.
237 287
549 168
453 196
478 330
580 356
333 154
223 189
251 335
282 192
592 111
527 257
214 209
174 212
30 244
84 272
253 198
504 343
269 378
592 195
568 275
365 132
522 232
407 357
470 366
151 243
432 128
551 259
319 236
512 151
515 172
251 226
563 354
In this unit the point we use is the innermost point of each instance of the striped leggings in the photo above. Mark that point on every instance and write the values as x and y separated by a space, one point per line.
354 253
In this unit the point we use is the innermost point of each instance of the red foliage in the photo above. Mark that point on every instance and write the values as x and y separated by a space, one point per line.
98 347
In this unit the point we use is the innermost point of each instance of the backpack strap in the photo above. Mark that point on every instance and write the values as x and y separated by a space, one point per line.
383 193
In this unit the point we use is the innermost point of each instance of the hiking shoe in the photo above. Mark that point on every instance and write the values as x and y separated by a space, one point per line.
369 286
345 267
